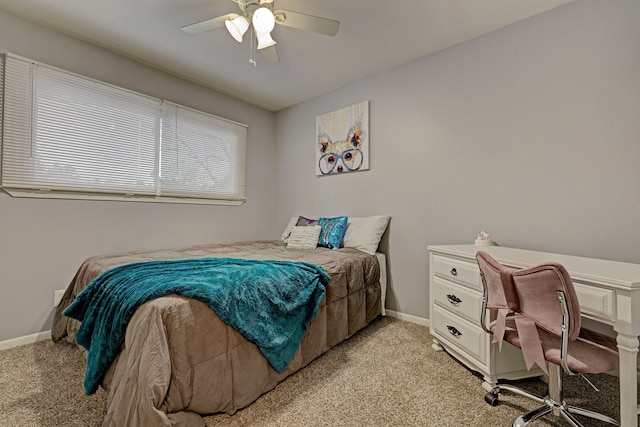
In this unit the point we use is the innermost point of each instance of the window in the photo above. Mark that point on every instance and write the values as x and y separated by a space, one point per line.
65 135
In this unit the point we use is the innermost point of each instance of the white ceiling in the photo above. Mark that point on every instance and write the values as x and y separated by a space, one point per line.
374 36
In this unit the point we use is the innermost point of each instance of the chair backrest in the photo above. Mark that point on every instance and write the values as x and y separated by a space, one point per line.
494 278
537 289
532 292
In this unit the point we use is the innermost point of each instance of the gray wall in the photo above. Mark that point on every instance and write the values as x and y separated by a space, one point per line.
531 133
42 242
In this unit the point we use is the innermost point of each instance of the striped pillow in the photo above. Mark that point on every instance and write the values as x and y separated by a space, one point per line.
304 237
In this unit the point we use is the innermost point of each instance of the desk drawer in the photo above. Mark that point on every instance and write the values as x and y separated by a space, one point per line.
595 302
458 299
460 333
465 273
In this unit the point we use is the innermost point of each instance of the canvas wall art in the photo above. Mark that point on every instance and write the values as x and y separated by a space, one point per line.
342 140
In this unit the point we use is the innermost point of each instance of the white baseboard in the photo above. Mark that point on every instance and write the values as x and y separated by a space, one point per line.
408 317
27 339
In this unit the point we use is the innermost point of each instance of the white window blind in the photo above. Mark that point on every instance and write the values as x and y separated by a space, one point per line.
199 154
66 134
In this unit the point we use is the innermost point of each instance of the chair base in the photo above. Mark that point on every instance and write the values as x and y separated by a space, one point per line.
550 404
564 410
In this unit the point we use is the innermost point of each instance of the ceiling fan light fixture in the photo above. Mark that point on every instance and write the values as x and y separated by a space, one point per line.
264 40
263 20
237 27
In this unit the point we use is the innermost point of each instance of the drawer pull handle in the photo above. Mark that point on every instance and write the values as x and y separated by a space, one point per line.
453 331
454 300
454 272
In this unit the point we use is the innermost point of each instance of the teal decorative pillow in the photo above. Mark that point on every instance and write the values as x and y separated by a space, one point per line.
333 230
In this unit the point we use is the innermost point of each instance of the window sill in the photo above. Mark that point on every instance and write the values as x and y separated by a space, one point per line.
22 193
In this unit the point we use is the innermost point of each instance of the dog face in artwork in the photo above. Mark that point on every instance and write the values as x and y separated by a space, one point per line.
344 155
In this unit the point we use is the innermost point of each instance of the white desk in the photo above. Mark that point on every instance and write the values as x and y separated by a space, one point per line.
608 291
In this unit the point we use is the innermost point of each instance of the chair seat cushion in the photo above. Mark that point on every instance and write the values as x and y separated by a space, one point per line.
591 352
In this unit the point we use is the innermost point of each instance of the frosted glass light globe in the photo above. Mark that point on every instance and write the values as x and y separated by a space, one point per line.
263 20
237 27
264 40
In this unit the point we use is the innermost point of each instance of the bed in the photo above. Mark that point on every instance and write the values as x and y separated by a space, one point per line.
179 360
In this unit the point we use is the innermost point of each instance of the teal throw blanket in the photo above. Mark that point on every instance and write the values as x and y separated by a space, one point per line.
271 303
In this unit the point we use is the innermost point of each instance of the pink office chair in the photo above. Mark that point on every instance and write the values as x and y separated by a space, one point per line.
536 309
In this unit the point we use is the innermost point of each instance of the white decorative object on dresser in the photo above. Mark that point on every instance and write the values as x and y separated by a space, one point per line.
608 292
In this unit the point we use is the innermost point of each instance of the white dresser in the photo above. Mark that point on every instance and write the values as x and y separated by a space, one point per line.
455 292
608 291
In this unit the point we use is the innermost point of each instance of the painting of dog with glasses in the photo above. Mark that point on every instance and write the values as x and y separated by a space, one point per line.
342 144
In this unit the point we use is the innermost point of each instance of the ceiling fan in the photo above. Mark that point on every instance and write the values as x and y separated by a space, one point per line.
259 15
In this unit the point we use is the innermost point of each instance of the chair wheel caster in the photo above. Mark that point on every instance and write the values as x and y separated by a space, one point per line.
491 398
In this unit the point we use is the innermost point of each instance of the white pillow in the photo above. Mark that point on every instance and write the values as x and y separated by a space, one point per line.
288 228
304 237
365 233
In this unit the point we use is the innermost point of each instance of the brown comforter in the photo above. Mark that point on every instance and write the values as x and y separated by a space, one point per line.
180 360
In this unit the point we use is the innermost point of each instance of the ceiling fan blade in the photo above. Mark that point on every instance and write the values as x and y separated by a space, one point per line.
270 54
328 27
208 25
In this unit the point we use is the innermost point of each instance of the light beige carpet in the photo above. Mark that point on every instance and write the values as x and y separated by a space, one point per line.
386 375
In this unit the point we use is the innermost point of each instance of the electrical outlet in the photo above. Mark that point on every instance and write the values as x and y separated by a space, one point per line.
57 297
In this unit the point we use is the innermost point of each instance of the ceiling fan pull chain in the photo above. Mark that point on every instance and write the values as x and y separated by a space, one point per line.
251 60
